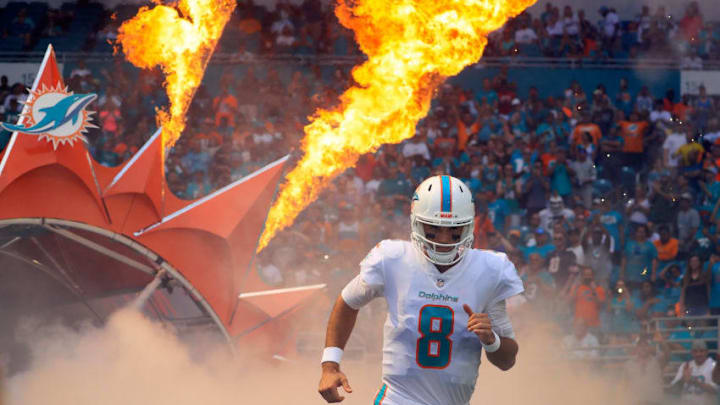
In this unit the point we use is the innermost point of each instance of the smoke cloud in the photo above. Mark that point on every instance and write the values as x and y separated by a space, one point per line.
132 360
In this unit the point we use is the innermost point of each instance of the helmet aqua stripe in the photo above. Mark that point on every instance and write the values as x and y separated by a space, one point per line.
442 201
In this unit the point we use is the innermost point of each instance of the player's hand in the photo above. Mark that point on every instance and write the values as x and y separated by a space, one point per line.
331 379
480 325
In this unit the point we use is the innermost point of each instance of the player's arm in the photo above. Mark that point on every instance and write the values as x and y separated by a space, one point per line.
342 321
496 335
340 326
504 357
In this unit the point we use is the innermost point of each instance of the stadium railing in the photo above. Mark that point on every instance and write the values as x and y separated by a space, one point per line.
515 61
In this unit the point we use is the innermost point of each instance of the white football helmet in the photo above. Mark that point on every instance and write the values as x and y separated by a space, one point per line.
442 201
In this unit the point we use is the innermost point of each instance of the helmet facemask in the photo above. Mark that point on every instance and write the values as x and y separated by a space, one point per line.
446 202
431 249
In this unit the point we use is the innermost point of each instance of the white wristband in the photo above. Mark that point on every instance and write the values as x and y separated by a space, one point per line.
333 354
493 347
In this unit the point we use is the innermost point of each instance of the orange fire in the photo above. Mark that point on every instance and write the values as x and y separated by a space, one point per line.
181 40
412 46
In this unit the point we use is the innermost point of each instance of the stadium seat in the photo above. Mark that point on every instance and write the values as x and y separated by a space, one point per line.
42 44
602 187
530 50
627 179
12 44
600 171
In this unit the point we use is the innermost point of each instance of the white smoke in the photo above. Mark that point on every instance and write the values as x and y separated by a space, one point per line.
132 360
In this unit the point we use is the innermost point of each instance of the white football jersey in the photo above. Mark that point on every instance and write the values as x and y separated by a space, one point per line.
429 356
692 393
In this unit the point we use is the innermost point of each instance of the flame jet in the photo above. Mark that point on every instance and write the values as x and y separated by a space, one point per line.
412 46
181 40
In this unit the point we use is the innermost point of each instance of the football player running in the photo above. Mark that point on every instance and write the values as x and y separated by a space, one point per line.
446 302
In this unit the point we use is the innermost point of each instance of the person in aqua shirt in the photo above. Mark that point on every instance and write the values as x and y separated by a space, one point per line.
640 260
611 220
715 284
542 246
498 210
670 282
621 310
560 175
487 94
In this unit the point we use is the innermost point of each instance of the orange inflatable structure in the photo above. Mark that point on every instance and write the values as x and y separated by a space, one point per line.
103 231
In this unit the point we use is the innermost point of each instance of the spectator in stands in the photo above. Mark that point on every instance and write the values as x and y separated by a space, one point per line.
80 70
539 284
714 266
556 213
581 343
702 109
695 296
22 26
560 174
666 246
640 260
638 208
395 186
417 146
691 22
695 376
610 25
691 60
662 200
562 263
643 374
535 190
585 175
598 254
634 133
17 93
587 298
575 245
643 101
671 279
525 35
688 223
648 302
483 224
674 140
621 310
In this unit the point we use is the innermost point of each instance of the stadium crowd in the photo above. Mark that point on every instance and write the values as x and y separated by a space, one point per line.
310 27
608 206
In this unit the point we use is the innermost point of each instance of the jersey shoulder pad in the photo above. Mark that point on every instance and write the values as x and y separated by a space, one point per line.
491 258
392 248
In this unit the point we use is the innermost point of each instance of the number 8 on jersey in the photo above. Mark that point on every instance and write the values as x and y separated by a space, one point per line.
434 347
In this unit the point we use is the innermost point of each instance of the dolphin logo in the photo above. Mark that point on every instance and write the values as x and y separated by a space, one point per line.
66 110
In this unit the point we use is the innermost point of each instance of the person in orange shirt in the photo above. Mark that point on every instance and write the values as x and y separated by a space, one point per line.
682 108
483 225
584 126
666 246
467 125
633 134
588 298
